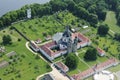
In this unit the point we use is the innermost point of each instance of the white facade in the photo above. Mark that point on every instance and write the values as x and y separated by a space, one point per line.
52 57
62 47
45 54
35 49
29 13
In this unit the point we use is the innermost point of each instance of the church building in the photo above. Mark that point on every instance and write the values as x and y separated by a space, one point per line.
64 43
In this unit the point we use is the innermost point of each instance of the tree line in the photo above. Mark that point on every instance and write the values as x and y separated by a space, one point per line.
90 10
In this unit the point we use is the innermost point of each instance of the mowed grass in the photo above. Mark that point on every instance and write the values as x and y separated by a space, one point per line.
92 63
112 22
82 66
28 67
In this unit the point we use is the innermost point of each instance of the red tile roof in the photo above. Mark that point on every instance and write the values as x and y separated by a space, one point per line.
47 46
50 44
34 45
91 71
100 51
62 66
80 76
38 41
81 37
111 61
47 49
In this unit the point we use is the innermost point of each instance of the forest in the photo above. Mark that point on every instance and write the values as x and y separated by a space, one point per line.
90 10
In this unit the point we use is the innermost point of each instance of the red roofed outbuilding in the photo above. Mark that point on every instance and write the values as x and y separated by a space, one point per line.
100 51
62 66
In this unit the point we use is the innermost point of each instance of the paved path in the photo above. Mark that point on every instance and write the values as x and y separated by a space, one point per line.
85 31
27 46
82 60
45 42
112 31
57 75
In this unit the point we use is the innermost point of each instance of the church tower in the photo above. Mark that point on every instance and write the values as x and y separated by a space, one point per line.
66 42
67 37
75 44
29 13
69 46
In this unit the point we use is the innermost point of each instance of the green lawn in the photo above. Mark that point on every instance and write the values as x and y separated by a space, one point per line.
92 63
112 22
81 67
25 68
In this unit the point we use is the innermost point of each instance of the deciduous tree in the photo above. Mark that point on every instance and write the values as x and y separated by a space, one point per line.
71 61
103 29
7 39
91 54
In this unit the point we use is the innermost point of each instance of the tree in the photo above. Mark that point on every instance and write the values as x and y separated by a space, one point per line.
117 36
58 5
13 16
91 54
1 24
101 15
71 6
119 56
71 61
103 29
6 20
118 18
7 39
92 8
93 19
81 12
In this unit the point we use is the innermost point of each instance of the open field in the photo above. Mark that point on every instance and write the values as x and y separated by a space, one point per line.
26 67
112 22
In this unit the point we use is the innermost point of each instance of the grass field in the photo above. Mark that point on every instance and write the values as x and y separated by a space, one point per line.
27 67
112 22
84 65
